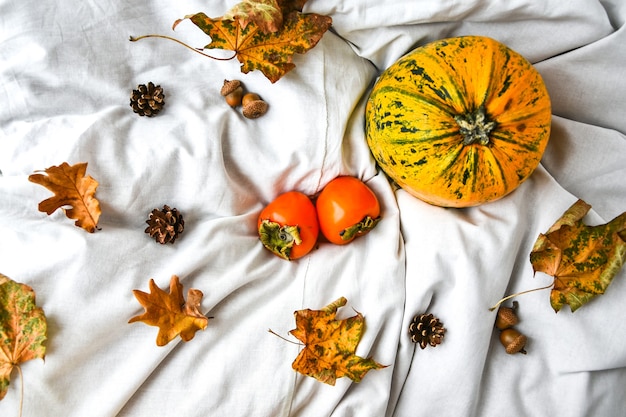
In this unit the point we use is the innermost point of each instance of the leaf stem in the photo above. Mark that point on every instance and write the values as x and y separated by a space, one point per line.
508 297
19 371
285 339
197 50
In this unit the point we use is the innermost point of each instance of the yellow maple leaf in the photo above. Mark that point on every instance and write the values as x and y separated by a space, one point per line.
170 313
330 345
71 188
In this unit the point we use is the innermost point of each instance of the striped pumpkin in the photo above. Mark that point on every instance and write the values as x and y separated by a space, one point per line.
459 122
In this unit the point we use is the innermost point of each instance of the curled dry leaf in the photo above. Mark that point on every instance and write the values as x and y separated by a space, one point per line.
266 14
23 329
170 313
582 259
71 188
330 345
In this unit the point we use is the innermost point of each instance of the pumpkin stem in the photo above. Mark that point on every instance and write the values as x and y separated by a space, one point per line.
475 127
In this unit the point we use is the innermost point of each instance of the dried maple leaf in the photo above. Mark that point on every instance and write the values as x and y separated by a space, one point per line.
264 34
23 329
271 52
71 188
330 345
170 313
582 259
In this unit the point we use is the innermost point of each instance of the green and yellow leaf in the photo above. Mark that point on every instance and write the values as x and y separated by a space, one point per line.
582 259
23 329
330 345
269 52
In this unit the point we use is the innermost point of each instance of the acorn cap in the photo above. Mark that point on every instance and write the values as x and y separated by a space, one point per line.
517 346
507 317
229 86
254 109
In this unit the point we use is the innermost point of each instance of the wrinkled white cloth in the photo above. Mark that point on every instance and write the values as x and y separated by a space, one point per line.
66 73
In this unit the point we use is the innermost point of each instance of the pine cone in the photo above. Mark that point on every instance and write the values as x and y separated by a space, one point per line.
147 100
165 225
426 329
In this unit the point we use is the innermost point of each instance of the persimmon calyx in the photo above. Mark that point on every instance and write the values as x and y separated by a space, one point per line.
359 229
279 239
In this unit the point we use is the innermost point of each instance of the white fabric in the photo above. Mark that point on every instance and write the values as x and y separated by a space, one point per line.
66 73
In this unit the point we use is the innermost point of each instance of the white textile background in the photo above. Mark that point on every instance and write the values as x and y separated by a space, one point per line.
66 73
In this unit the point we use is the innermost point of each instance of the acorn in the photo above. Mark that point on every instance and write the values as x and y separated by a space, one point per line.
253 106
513 341
507 317
232 91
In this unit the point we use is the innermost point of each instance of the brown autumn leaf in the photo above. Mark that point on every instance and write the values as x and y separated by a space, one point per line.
23 329
269 52
582 259
170 313
330 345
71 188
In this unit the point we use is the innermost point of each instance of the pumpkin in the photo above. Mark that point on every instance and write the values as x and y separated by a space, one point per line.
459 122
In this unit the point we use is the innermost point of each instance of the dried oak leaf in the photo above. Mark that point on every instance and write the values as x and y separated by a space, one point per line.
330 345
23 329
71 188
582 259
170 313
269 52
